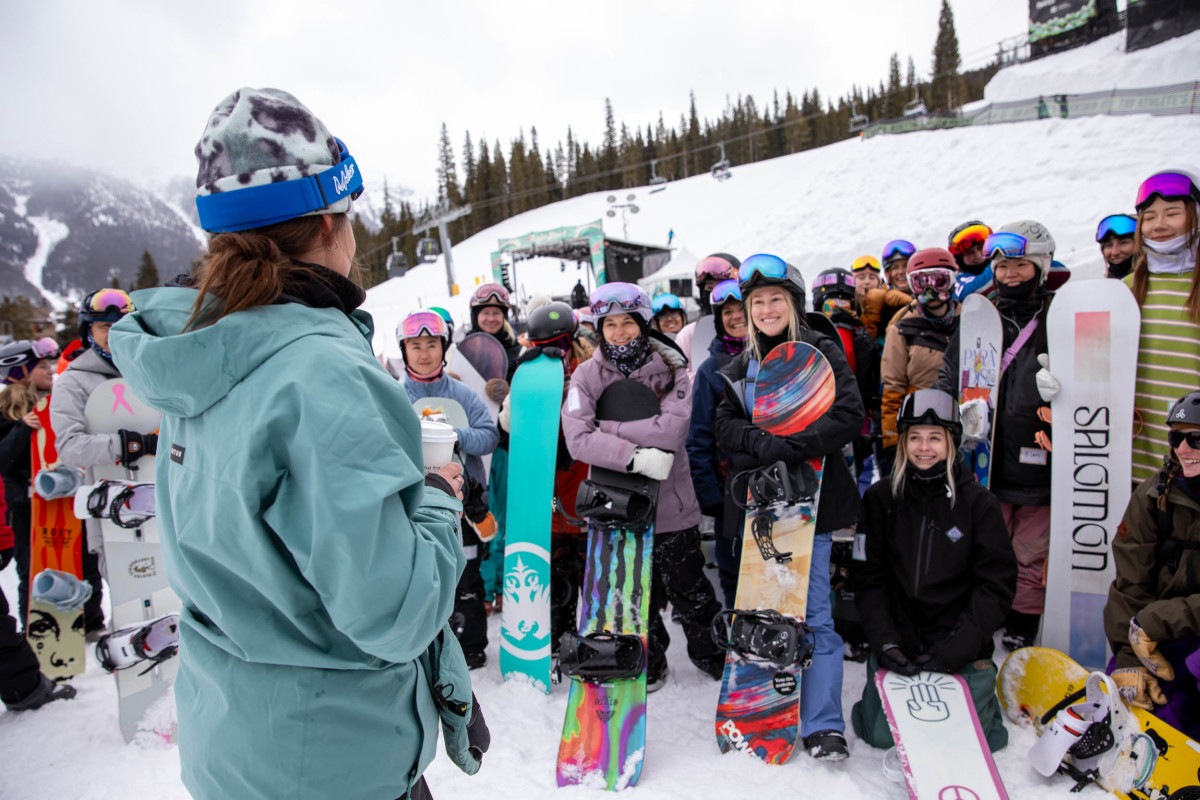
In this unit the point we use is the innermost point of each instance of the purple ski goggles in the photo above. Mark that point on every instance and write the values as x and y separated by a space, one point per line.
1167 185
618 298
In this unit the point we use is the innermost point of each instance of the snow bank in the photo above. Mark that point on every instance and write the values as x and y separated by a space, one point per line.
823 208
1099 66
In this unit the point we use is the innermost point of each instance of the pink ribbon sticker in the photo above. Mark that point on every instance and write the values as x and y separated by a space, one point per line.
119 395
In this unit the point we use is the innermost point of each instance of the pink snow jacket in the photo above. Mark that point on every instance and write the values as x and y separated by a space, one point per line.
611 444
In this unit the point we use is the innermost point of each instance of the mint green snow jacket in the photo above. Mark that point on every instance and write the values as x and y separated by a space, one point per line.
314 566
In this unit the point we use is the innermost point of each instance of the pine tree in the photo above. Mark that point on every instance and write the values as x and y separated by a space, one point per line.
447 174
893 98
518 177
20 313
500 183
147 274
608 151
484 212
946 61
388 217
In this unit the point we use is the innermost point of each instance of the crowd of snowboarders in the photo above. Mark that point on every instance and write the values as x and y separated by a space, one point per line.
323 580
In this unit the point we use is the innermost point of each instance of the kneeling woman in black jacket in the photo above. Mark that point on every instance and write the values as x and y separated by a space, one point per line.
937 573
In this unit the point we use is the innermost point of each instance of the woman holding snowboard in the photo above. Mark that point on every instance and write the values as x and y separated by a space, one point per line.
936 573
654 447
774 298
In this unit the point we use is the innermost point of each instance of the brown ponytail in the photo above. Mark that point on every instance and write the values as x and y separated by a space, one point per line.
252 268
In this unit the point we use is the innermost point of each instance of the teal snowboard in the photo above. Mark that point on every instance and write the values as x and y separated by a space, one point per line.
535 403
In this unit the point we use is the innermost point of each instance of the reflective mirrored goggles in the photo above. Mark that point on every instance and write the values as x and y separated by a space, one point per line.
724 291
666 301
1013 245
936 280
1176 438
714 267
865 262
615 298
898 248
833 279
762 265
1167 185
930 406
45 348
422 323
1116 225
490 294
110 300
969 237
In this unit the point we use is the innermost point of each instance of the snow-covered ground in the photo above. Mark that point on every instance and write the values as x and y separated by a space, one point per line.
819 209
1101 65
73 749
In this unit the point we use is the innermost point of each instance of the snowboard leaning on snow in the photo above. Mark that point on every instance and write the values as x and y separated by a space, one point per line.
702 337
980 341
537 389
137 579
604 734
759 708
1094 356
1145 760
56 543
941 745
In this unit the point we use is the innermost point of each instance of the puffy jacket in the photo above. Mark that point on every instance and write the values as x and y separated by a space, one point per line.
76 447
839 505
913 354
611 444
475 441
1020 472
709 463
1157 581
936 578
315 568
16 460
880 305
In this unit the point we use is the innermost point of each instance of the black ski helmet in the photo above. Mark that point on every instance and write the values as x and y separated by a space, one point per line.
1184 411
836 282
930 407
102 305
551 321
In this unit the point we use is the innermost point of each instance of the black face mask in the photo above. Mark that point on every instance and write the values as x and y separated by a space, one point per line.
1019 292
1121 269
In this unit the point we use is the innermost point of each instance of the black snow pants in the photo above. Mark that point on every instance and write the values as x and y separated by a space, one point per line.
470 619
20 672
678 578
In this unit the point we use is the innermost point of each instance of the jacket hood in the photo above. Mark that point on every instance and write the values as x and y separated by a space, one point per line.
184 373
89 360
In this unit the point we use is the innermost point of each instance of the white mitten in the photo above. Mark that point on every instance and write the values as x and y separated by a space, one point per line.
653 463
1047 385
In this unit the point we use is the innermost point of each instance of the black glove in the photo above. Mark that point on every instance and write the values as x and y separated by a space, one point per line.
478 736
134 445
6 555
475 501
932 662
529 355
768 449
894 659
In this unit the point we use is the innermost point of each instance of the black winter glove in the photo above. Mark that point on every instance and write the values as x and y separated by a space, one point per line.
768 449
478 736
134 445
894 659
529 355
475 501
932 662
6 555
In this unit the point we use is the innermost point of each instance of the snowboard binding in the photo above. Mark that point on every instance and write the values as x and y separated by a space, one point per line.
152 644
600 657
128 505
612 507
765 636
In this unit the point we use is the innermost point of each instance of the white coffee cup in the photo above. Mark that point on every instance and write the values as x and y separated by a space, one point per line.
437 444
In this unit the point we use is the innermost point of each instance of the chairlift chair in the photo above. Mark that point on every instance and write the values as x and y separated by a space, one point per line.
428 250
916 106
720 170
397 264
656 180
857 121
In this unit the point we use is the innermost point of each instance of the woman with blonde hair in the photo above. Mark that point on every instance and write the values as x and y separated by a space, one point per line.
774 298
27 374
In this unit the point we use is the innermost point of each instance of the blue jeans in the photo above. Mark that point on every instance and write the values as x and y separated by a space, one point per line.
821 684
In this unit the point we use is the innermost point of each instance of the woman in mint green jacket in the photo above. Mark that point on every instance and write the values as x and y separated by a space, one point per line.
315 559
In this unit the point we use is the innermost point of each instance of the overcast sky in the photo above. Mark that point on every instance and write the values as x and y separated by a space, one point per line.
127 86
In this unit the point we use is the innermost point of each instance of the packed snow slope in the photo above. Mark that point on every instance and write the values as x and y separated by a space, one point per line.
1098 66
823 208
